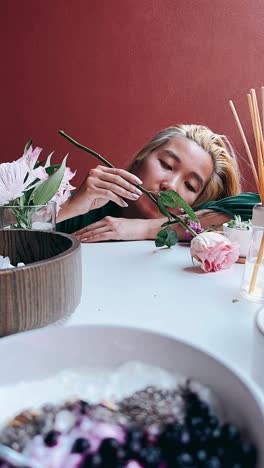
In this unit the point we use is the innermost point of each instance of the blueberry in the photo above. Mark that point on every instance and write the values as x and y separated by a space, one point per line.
213 421
202 437
221 453
184 460
196 422
194 404
216 437
151 457
230 433
185 439
133 450
248 454
51 438
172 427
202 409
80 445
214 462
201 456
190 397
135 435
197 410
169 441
111 451
92 461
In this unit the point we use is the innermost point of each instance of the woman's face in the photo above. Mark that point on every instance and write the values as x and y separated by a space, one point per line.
180 165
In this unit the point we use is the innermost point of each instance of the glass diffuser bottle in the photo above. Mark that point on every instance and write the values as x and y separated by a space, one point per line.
252 286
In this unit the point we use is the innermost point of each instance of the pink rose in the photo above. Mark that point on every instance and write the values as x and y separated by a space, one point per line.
214 251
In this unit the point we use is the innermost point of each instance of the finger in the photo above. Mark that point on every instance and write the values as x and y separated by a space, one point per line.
119 181
93 232
117 190
105 236
89 228
123 173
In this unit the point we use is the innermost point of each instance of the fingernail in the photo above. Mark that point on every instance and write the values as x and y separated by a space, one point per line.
135 195
138 181
138 192
125 203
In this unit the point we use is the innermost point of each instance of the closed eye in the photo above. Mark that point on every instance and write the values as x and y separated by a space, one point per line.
190 187
165 165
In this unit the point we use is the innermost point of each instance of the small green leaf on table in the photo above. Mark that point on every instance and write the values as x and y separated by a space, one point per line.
166 237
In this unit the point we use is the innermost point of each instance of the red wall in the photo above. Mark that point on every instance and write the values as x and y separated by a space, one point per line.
113 72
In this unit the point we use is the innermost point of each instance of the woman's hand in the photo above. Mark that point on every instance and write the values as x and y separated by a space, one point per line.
102 185
110 228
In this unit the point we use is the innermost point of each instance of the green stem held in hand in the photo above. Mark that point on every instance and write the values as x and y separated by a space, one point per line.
102 159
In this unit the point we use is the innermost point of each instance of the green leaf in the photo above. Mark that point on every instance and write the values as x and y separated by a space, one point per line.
166 237
174 200
44 192
162 208
50 170
38 163
47 163
28 144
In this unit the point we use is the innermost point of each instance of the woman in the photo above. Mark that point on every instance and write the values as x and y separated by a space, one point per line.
190 159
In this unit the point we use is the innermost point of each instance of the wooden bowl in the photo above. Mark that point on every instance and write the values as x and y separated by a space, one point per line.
47 288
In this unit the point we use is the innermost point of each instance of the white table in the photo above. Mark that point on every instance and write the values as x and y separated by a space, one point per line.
136 284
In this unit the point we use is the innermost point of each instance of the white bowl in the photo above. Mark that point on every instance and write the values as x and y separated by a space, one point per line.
42 353
241 236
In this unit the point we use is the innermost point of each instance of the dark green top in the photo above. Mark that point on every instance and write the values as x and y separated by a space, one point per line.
238 205
78 222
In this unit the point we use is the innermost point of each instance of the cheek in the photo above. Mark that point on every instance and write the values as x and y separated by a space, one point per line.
189 197
147 171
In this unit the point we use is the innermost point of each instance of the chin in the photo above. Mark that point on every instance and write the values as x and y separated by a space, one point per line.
147 209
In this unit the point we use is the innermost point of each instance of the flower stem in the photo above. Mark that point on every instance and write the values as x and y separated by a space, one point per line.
183 224
23 217
103 160
88 150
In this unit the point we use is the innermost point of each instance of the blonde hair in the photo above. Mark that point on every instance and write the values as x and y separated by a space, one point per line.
225 180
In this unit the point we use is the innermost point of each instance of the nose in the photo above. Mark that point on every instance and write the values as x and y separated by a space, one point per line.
170 183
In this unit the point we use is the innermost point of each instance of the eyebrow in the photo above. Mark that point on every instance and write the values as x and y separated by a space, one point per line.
194 174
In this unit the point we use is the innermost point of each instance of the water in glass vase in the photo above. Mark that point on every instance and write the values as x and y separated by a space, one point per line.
40 217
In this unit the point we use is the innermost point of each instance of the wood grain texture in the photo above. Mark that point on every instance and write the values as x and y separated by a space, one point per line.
48 288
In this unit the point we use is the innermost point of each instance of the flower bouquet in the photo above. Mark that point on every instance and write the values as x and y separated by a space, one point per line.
32 192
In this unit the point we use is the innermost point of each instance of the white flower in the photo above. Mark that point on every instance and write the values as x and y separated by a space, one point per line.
12 176
17 177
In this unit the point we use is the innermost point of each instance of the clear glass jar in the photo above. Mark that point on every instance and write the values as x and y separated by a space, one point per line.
252 286
38 217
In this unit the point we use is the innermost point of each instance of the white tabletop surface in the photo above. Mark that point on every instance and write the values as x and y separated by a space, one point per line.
136 284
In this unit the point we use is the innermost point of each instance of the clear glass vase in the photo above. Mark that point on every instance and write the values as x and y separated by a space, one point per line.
252 286
39 217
